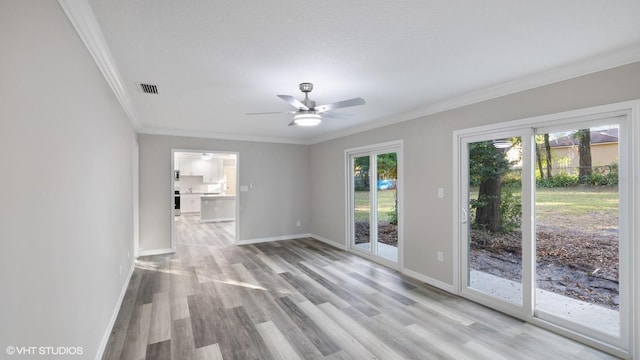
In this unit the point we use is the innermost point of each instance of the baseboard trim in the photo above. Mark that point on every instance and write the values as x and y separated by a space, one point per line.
431 281
329 242
274 238
114 316
156 252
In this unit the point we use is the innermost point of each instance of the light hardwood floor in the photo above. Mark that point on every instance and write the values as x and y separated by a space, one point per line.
303 299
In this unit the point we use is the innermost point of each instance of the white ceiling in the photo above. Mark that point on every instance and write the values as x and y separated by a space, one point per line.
214 61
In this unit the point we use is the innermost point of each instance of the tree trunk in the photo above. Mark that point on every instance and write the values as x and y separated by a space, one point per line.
488 215
584 149
539 161
547 148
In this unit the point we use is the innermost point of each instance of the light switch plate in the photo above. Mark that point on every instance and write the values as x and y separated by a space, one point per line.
244 188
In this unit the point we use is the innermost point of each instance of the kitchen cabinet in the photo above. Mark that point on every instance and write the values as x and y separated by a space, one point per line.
210 170
190 167
190 203
213 171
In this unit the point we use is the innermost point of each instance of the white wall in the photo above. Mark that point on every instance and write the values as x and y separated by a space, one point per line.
279 196
66 178
428 153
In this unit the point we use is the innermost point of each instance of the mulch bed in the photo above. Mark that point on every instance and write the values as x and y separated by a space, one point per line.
387 233
580 265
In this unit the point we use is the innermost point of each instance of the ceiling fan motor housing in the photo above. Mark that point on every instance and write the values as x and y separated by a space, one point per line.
306 87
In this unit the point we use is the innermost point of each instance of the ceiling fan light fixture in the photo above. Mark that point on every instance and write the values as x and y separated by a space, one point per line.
307 119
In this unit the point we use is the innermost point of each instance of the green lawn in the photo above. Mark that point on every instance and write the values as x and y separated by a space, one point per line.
386 203
574 207
576 201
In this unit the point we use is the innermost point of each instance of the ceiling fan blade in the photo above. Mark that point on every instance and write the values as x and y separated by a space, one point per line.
292 123
293 101
336 115
272 112
340 104
265 113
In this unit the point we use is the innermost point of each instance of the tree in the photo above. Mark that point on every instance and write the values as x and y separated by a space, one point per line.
547 148
544 139
584 151
539 158
487 164
387 166
361 173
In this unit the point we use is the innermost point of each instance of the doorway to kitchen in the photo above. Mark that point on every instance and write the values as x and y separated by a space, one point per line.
374 198
204 192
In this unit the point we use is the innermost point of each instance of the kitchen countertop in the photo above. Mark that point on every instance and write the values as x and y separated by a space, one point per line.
217 196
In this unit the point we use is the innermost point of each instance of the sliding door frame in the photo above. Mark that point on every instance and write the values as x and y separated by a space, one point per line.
368 150
527 244
629 218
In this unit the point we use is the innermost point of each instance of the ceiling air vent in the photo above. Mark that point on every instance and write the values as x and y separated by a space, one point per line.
148 88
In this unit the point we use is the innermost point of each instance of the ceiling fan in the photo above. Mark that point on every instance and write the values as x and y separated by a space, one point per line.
307 113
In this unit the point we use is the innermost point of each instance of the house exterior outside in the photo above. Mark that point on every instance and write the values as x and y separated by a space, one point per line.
566 159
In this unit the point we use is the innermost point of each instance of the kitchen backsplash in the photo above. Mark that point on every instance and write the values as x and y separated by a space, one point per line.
196 185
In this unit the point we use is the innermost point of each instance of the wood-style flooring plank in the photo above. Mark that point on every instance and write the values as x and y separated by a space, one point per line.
159 351
160 326
209 352
278 345
361 333
358 303
182 344
138 333
337 334
308 327
448 345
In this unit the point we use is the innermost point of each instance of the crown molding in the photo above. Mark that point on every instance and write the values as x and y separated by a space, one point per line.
84 21
222 136
620 57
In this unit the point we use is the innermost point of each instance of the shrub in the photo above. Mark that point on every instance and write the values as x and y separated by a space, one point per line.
510 209
512 178
560 180
604 176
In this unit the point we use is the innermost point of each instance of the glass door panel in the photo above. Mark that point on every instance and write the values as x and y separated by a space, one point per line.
373 196
360 166
387 206
577 205
494 203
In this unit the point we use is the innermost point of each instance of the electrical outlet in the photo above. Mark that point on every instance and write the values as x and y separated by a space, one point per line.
440 256
120 270
441 193
128 254
298 223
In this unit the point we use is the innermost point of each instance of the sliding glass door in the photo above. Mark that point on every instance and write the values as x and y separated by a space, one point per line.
493 195
578 227
373 202
544 223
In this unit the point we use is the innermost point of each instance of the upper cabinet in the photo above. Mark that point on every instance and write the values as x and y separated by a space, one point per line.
210 170
215 172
